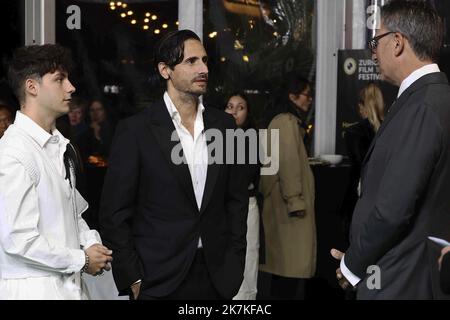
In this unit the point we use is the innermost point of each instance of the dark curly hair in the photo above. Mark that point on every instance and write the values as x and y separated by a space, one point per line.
34 62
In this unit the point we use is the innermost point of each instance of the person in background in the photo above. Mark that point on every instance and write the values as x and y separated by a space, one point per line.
238 106
288 209
405 180
45 243
358 138
77 117
95 143
6 119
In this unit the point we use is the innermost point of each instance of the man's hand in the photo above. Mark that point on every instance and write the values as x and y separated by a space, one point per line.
99 259
136 289
443 252
343 282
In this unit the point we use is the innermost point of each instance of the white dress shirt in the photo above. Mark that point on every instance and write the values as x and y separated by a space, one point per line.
413 77
41 229
416 75
195 149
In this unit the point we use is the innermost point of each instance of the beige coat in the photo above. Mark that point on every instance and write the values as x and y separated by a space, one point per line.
290 242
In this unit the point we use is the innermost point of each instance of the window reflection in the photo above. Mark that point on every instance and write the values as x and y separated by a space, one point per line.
253 45
113 48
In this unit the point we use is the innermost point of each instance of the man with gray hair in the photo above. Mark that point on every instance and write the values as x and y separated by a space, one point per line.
405 179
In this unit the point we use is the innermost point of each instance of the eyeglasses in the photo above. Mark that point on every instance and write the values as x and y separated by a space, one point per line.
308 95
373 44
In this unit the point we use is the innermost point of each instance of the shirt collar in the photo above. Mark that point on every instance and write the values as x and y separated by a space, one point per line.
173 111
416 75
41 136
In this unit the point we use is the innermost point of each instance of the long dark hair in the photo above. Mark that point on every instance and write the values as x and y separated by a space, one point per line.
249 121
281 103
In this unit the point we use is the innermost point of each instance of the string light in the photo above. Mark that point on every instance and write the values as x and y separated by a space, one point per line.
212 34
245 58
148 17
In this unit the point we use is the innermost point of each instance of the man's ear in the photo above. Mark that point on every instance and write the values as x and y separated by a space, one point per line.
31 87
164 70
399 43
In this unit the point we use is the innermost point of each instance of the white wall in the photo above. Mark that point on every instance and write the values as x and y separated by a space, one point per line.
190 16
330 38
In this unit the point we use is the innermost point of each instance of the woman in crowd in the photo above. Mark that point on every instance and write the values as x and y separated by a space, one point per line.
238 106
288 213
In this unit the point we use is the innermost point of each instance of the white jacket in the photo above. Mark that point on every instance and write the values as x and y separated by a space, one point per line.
42 232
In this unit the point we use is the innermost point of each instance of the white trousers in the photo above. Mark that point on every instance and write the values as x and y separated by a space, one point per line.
57 287
248 288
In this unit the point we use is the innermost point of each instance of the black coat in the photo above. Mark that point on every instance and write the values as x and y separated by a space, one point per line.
149 216
405 195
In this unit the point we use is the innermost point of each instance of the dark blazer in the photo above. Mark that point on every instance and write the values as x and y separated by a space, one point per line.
405 195
149 216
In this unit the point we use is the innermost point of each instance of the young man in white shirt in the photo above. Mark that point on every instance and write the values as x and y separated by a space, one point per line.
44 242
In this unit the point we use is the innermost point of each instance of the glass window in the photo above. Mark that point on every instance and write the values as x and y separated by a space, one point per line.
254 44
12 24
112 43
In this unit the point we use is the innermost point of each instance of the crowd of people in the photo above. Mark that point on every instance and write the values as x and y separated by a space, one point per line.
178 221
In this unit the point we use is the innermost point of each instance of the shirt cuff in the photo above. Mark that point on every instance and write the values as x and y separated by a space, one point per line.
79 260
352 278
90 243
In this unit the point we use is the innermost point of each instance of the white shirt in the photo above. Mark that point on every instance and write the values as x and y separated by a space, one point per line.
413 77
54 144
416 75
195 149
41 229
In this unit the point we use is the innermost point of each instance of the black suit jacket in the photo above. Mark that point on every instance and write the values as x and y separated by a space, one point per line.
405 195
149 216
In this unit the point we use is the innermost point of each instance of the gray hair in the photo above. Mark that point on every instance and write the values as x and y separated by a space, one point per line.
419 22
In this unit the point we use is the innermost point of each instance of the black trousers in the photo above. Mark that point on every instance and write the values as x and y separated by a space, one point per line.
197 284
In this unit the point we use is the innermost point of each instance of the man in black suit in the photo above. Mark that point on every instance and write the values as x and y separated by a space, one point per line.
405 180
177 228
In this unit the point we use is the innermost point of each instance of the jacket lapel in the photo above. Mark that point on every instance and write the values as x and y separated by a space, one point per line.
162 127
210 122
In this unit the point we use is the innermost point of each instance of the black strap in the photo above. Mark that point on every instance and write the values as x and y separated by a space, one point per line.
70 162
